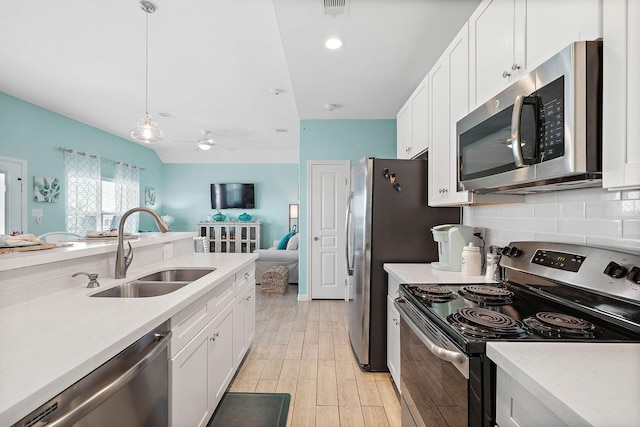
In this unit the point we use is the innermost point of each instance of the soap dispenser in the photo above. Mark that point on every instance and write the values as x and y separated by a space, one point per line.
470 263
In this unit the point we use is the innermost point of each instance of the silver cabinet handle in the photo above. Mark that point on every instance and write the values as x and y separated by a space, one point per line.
515 67
506 74
108 390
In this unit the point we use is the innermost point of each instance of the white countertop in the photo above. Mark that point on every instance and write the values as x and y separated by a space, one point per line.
14 260
51 342
424 273
585 384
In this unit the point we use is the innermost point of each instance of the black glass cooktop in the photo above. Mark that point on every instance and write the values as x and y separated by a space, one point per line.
471 315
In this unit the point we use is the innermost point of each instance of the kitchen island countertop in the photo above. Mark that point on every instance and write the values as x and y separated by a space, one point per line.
584 384
51 342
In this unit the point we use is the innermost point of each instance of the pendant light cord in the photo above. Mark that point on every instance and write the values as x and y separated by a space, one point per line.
146 63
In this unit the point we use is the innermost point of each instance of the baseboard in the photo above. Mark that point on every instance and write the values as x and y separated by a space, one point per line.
303 297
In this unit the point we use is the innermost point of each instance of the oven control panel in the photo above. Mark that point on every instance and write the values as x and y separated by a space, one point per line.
559 260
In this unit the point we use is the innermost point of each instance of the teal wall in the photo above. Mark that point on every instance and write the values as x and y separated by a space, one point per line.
188 199
31 133
338 140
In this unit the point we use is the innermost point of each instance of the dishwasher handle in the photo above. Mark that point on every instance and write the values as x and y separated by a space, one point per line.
103 393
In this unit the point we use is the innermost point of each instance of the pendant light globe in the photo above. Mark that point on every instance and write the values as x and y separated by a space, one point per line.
146 129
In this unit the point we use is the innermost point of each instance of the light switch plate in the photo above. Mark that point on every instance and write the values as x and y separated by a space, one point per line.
36 212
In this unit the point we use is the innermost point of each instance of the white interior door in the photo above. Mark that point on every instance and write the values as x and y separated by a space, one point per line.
13 201
328 189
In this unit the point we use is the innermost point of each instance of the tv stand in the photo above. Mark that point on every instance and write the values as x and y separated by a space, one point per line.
240 237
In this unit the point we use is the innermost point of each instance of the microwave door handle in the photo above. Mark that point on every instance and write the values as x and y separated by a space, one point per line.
516 136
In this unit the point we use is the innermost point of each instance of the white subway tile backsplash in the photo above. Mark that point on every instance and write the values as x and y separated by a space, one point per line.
631 229
584 216
541 199
546 211
591 227
631 195
572 210
543 225
592 194
560 238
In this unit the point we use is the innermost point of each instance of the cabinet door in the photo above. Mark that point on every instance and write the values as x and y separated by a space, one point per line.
549 30
393 341
243 324
420 119
404 132
439 161
220 356
188 402
621 151
492 35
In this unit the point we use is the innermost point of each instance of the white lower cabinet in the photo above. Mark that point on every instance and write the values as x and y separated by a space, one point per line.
201 372
244 322
393 331
220 360
517 407
189 384
393 342
210 338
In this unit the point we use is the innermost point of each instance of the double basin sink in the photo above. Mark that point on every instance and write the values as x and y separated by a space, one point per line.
159 283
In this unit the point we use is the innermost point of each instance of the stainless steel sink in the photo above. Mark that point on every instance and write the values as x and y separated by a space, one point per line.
177 275
159 283
140 289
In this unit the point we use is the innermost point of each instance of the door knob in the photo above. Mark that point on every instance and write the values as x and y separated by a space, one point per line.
316 238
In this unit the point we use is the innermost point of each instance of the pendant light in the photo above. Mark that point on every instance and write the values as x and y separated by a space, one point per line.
146 129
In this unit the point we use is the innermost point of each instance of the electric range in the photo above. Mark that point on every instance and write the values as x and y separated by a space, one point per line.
550 292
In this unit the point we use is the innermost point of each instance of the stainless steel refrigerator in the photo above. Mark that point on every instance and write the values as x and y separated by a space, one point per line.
388 220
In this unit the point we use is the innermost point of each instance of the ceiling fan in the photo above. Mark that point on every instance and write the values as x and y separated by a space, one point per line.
206 142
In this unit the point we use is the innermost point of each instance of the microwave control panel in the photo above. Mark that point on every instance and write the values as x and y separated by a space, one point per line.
551 120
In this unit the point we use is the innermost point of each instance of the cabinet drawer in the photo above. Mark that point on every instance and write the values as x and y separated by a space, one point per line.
221 296
244 278
186 324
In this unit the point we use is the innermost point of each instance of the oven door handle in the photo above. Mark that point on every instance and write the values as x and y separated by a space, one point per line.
439 352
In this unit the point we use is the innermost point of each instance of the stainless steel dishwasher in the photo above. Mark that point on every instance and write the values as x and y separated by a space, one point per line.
131 389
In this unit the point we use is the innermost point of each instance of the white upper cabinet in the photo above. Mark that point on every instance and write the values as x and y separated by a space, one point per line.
449 102
413 124
509 37
404 132
621 86
496 57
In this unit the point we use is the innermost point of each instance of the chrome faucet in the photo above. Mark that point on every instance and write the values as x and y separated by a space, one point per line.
124 261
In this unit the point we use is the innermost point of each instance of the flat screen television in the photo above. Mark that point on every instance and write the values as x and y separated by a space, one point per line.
229 196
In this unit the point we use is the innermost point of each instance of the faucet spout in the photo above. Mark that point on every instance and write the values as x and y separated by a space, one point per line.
123 261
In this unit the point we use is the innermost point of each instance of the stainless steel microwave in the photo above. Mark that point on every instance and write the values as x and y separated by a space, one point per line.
542 133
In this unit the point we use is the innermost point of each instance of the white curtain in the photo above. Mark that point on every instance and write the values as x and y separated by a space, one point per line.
127 180
83 198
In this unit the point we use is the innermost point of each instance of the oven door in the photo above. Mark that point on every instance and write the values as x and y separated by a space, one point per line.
434 378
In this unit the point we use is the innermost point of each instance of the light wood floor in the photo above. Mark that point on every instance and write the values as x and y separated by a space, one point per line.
302 348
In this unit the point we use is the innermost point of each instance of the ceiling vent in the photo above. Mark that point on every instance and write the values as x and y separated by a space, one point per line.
335 7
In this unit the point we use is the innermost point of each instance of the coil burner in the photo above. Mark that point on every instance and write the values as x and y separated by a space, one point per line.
433 293
558 325
485 323
487 295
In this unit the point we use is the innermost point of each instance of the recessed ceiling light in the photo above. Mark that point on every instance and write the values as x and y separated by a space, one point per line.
333 43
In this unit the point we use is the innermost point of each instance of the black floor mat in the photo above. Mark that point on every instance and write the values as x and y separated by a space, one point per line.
252 409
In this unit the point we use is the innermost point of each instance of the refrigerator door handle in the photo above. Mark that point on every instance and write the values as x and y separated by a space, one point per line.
347 240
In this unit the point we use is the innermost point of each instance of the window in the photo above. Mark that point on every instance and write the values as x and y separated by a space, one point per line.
108 204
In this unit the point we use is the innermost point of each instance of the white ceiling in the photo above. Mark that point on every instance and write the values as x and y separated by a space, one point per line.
213 64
